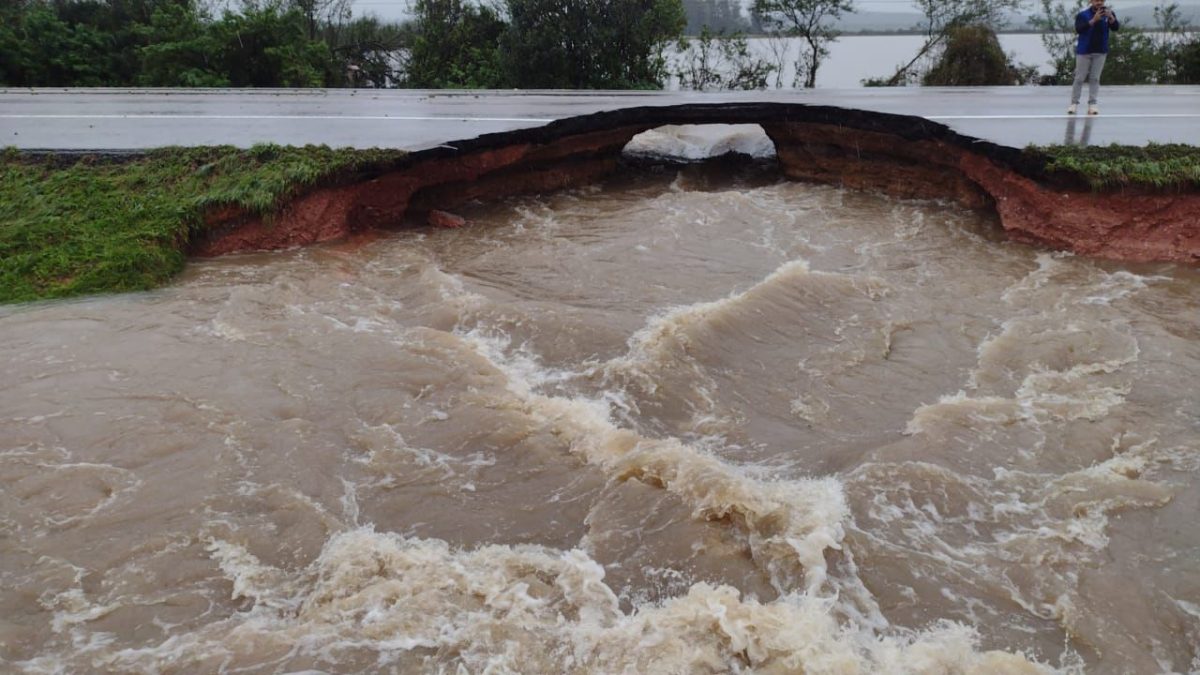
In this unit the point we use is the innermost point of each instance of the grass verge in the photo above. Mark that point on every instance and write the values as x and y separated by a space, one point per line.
1159 167
97 225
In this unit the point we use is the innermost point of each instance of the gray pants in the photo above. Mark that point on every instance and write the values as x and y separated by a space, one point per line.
1087 67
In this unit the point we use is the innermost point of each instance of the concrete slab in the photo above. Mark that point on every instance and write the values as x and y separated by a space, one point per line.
136 119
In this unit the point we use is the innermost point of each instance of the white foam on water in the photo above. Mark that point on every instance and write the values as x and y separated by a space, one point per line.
524 371
55 492
384 451
118 484
422 604
988 409
988 531
1048 264
1065 397
1119 285
1072 280
251 578
671 323
450 287
670 330
71 606
222 329
787 521
809 408
1190 608
1050 370
350 509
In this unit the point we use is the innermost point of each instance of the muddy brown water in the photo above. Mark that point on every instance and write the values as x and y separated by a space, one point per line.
687 421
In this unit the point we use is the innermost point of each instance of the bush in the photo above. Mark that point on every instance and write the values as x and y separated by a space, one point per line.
972 57
456 45
1186 63
591 44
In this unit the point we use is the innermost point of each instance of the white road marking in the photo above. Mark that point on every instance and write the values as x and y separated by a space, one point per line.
418 118
279 117
1060 116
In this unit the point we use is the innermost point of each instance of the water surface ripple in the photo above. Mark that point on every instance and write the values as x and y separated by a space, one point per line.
682 422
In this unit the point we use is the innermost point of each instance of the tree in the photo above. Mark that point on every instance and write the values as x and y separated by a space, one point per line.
1134 58
590 44
718 61
1056 23
1185 63
38 48
972 57
119 22
319 13
181 50
1174 39
810 20
159 43
269 47
455 44
939 19
366 52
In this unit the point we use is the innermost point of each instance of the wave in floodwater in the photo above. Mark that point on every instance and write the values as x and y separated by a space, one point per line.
694 420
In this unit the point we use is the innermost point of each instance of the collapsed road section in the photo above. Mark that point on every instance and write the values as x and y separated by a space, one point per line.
903 156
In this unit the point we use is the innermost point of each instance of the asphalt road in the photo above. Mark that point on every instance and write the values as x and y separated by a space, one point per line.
134 119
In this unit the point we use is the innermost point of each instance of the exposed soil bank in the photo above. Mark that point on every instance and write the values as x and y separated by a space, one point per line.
900 155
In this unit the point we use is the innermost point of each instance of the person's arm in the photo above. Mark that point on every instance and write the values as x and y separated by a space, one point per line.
1081 24
1113 24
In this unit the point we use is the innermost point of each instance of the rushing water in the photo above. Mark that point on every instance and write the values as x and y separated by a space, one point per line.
688 421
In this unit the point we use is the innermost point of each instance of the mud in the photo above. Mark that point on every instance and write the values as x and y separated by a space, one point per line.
902 156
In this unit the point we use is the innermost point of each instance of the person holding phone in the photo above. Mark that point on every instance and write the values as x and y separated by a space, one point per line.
1091 49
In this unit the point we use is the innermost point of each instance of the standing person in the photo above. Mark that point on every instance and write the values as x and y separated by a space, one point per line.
1092 25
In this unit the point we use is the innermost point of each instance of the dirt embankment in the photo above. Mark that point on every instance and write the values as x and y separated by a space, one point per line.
903 156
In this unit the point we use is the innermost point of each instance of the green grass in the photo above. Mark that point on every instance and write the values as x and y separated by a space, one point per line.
93 225
1160 167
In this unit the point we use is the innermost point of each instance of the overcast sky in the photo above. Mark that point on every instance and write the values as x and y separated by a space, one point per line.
398 9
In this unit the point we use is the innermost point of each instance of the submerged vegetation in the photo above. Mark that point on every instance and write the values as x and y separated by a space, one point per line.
1159 166
95 225
973 57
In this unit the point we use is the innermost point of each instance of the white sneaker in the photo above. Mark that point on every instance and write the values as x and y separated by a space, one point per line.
1071 109
1093 110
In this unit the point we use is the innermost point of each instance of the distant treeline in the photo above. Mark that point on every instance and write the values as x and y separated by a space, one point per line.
543 44
314 43
177 43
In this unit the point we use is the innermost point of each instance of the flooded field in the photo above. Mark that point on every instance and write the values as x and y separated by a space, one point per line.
691 420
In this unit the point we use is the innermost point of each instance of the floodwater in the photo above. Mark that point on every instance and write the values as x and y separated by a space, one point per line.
691 420
854 58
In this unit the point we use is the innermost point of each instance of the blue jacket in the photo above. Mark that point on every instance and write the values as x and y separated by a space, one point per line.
1093 39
